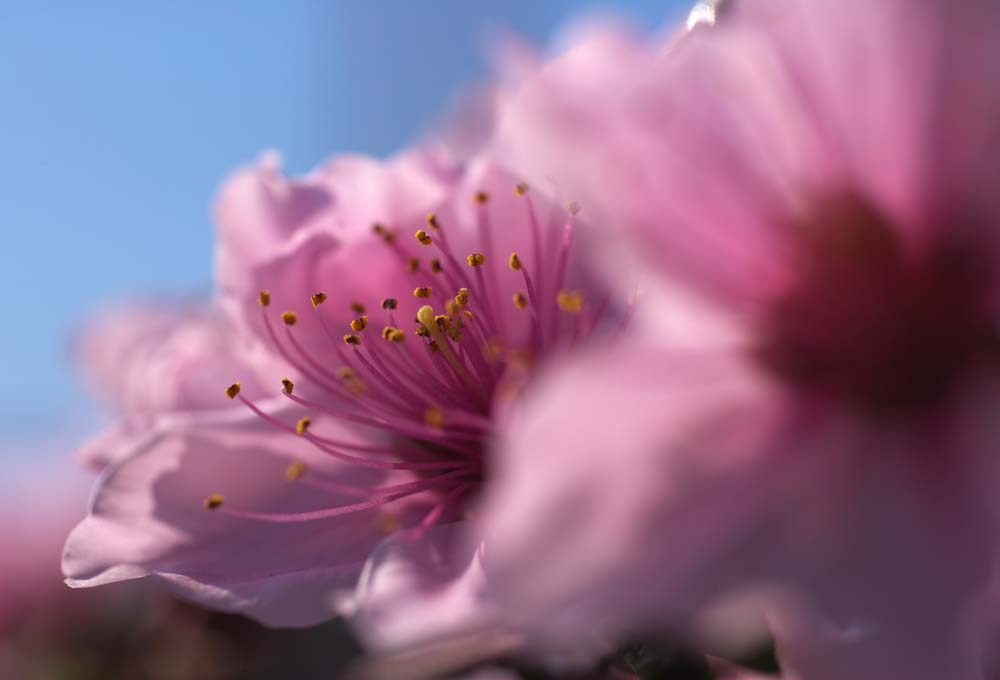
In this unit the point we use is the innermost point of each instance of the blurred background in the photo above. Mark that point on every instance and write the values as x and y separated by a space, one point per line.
118 122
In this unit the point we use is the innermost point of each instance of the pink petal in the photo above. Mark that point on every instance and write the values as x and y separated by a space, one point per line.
147 518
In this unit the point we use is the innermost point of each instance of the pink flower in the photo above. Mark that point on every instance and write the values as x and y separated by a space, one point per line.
818 179
397 311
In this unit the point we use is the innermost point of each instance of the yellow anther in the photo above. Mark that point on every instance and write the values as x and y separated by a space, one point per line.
303 425
462 298
264 298
213 502
521 189
452 307
434 417
387 523
476 259
422 292
413 265
573 207
443 321
481 197
345 373
287 386
423 237
290 318
570 301
357 308
352 339
421 331
514 262
436 266
359 324
520 300
295 470
390 303
467 313
317 299
393 334
233 390
432 221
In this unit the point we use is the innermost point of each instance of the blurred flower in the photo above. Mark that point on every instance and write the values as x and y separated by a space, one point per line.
816 179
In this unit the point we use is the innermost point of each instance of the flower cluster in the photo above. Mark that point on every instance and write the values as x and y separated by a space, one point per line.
697 340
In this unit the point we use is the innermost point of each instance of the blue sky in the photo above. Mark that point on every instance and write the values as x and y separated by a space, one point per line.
119 119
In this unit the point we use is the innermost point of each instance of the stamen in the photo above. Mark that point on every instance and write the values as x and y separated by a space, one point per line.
434 417
515 262
357 308
290 318
423 237
287 386
436 266
422 292
386 235
570 301
413 265
359 324
264 298
213 502
295 470
389 304
233 390
432 221
317 299
481 197
352 339
462 298
520 300
521 189
302 426
476 259
425 315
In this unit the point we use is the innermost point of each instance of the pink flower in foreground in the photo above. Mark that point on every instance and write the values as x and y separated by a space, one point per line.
398 309
820 178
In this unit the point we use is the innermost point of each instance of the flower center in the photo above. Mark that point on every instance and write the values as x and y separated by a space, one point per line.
888 330
430 395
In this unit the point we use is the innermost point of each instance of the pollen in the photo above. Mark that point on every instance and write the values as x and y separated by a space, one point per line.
520 300
303 425
213 502
413 265
233 390
295 470
421 331
481 197
317 299
287 386
443 321
521 189
390 304
352 339
570 301
423 237
476 259
359 324
357 308
462 298
434 417
432 221
436 266
264 298
422 292
515 262
290 318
